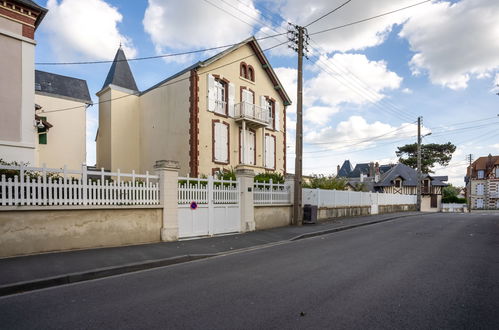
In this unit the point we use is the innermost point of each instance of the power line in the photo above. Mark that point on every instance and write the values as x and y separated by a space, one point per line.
328 13
370 18
156 56
166 84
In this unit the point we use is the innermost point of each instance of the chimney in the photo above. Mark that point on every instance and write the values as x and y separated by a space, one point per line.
371 169
337 169
376 172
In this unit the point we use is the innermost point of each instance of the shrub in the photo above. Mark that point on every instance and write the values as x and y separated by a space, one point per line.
326 182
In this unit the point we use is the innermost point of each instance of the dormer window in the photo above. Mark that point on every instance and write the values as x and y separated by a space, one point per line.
398 183
481 174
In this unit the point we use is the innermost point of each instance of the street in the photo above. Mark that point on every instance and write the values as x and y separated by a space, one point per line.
435 271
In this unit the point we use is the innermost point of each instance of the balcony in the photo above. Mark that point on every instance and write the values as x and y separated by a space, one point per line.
251 114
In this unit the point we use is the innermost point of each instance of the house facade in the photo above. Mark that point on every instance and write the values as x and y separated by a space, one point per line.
220 113
18 22
60 136
482 183
402 179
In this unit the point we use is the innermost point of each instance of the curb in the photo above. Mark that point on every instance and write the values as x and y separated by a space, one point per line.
43 283
337 229
19 287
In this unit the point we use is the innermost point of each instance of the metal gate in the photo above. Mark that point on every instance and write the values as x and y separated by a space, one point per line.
208 207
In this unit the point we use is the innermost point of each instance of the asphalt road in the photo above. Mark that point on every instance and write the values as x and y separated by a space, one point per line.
431 272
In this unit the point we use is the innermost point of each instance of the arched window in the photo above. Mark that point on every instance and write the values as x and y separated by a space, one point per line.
244 70
251 73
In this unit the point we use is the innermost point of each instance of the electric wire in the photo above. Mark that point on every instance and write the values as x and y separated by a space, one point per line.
328 13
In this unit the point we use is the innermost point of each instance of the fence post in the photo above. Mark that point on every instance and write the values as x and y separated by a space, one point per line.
318 197
211 206
84 182
22 183
289 183
246 184
168 197
271 192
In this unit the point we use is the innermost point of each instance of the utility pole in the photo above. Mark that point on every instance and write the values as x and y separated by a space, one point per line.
419 165
298 37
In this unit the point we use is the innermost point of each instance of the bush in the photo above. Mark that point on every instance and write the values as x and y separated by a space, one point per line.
326 182
453 200
266 177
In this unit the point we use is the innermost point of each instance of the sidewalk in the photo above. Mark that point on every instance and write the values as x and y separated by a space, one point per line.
32 272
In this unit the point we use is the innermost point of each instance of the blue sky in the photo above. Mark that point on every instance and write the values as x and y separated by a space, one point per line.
365 85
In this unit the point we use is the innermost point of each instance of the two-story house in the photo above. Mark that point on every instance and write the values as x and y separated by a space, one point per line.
482 183
18 22
61 120
402 179
226 111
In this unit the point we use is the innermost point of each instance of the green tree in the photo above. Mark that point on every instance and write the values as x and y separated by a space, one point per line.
326 182
431 154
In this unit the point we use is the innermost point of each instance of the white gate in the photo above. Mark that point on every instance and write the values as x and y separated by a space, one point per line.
208 207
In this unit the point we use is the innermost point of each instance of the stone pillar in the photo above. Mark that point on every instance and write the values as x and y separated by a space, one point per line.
168 186
289 182
246 183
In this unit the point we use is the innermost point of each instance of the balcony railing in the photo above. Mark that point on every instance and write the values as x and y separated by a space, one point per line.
245 110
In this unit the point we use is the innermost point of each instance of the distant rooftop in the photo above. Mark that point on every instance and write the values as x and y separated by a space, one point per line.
52 84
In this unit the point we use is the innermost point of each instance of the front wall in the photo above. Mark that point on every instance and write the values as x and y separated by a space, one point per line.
103 139
27 232
426 203
262 86
66 142
164 124
273 216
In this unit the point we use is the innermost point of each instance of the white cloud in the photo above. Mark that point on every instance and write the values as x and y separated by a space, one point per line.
342 85
454 42
92 33
193 24
320 115
288 78
357 133
407 91
355 37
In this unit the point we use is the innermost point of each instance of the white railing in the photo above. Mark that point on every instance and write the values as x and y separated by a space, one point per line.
271 193
454 207
220 107
204 191
245 110
41 186
344 198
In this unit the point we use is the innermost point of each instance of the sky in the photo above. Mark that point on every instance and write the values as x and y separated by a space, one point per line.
364 84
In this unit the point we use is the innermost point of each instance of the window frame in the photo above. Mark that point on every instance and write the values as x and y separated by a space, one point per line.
213 142
224 86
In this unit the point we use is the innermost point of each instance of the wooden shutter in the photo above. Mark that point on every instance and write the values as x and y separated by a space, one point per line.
277 107
231 99
211 93
221 142
269 151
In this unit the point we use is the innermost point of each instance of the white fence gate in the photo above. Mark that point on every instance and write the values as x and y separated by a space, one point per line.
208 207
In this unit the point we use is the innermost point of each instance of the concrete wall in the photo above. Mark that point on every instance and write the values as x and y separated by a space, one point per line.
262 86
325 213
272 216
66 142
426 204
37 231
396 208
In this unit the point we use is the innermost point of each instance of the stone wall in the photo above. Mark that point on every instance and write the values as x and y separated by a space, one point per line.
325 213
37 231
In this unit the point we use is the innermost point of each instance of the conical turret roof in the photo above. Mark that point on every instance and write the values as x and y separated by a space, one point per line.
120 73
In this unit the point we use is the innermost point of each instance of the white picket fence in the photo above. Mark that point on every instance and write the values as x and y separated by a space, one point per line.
199 191
344 198
271 193
74 187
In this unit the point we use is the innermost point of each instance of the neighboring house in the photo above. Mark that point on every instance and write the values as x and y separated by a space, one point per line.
226 111
402 179
363 175
61 120
482 183
18 22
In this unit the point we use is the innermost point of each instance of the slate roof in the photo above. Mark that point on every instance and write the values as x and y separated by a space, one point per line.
483 163
345 169
409 177
120 74
52 84
359 168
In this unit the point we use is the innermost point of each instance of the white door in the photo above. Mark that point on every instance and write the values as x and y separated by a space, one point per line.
247 99
248 151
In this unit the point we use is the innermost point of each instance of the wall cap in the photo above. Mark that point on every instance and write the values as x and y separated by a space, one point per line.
167 164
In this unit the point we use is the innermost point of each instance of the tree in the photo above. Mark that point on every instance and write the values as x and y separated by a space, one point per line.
431 154
449 195
326 182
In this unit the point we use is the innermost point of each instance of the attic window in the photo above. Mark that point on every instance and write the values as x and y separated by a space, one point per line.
397 183
243 70
481 174
251 73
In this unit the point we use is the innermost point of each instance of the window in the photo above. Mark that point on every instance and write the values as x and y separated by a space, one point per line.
479 203
42 132
243 70
481 174
479 189
497 172
251 73
220 142
247 149
220 97
270 151
269 107
398 183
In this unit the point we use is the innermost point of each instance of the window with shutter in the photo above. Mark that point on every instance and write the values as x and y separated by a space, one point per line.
479 189
221 97
497 172
269 151
221 142
277 115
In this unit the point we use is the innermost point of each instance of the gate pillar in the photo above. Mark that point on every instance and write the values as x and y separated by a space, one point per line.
167 171
246 183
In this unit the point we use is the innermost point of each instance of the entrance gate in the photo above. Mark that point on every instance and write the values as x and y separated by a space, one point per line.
208 207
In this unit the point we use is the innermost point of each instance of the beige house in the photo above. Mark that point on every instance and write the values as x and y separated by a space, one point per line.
482 183
220 113
61 120
18 22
